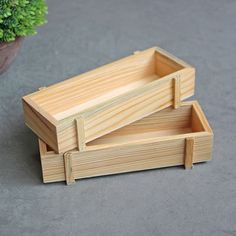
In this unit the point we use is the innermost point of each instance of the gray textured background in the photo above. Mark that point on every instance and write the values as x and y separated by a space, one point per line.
81 35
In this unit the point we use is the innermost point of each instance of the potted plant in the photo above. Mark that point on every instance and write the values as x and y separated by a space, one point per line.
18 18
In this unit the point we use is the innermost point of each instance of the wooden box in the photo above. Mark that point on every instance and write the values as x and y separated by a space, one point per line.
72 113
167 138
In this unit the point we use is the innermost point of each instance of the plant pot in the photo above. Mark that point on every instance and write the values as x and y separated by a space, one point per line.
8 52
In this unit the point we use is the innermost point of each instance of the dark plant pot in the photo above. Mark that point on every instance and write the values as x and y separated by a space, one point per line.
8 52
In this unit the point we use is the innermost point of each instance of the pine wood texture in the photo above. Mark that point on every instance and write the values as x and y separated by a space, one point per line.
177 93
169 137
189 151
68 168
107 98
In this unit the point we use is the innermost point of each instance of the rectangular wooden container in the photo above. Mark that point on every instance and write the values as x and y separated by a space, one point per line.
72 113
167 138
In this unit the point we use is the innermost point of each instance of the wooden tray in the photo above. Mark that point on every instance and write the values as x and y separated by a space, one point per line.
167 138
74 112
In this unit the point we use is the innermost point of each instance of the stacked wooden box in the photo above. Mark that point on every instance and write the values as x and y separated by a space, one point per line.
124 116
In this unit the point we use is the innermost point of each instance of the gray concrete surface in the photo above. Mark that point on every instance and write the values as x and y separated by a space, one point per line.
81 35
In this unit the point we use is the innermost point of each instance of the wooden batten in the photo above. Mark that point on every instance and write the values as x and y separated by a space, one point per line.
189 152
81 143
170 137
69 176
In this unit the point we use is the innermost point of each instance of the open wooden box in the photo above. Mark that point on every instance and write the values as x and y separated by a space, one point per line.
167 138
72 113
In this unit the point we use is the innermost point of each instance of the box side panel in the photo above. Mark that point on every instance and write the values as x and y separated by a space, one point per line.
73 95
116 115
67 135
53 169
164 65
41 126
203 148
187 83
154 99
167 122
166 119
171 57
123 111
139 157
126 112
126 158
201 117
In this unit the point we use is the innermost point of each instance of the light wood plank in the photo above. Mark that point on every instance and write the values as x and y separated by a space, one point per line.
189 152
80 133
69 176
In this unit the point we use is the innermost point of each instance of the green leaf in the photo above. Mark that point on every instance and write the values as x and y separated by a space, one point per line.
20 18
1 33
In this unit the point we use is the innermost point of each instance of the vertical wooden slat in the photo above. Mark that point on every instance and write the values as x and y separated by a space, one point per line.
176 92
69 176
189 151
80 134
